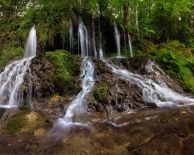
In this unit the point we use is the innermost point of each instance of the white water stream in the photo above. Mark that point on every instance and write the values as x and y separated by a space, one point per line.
13 75
153 92
70 35
117 40
87 76
83 38
130 45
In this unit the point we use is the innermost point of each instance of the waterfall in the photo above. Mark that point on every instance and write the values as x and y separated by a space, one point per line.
153 92
70 35
31 45
78 106
87 76
13 75
83 38
130 45
117 40
93 39
101 53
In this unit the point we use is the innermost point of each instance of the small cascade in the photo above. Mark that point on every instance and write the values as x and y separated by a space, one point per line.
93 39
78 106
13 76
117 40
83 38
153 92
70 35
87 76
130 45
31 45
101 54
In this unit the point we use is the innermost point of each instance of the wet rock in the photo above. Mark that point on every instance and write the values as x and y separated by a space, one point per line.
52 73
2 111
110 90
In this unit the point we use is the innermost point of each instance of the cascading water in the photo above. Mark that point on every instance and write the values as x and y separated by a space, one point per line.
101 53
117 40
87 76
78 106
93 39
83 38
70 35
13 75
130 45
153 92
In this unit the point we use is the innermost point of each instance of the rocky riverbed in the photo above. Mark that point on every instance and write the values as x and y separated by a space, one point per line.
147 131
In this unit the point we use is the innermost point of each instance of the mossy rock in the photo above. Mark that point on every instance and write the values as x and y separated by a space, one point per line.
66 73
54 100
2 111
25 121
101 93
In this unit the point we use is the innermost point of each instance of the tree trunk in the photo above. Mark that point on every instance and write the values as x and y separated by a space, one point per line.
126 13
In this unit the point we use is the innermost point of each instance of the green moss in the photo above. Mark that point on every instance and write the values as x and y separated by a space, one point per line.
101 93
24 121
66 68
8 54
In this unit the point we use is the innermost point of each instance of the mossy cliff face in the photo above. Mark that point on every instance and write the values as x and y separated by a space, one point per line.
55 72
66 69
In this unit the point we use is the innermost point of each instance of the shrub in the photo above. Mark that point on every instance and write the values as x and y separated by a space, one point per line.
66 67
101 93
178 61
8 54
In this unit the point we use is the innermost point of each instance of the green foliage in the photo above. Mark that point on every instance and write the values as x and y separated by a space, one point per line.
178 61
144 48
101 93
158 20
8 54
66 68
170 19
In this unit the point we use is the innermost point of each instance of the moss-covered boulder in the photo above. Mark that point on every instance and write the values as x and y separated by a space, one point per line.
54 72
26 121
